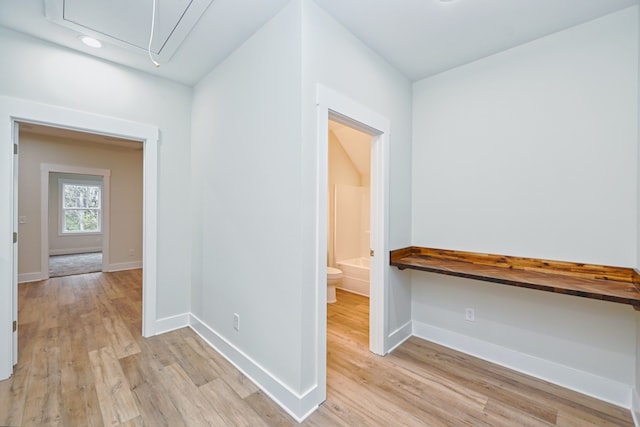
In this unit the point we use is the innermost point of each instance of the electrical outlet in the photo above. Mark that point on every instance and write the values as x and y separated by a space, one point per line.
469 314
236 321
131 252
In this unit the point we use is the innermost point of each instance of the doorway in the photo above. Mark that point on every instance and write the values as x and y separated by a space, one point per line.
88 183
349 225
77 223
334 106
14 111
53 240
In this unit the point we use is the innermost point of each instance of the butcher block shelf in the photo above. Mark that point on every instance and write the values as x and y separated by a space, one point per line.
614 284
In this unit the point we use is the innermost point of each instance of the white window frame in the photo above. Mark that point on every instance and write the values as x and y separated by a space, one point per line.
61 209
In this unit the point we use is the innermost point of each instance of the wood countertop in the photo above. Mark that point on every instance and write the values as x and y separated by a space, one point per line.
614 284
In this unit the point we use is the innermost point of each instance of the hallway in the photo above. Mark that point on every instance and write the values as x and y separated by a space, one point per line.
83 363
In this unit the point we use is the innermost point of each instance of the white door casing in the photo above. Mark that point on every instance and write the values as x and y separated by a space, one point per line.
14 276
335 106
45 170
14 110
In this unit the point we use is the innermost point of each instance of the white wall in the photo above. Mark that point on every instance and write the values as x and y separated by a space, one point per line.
375 84
352 205
246 156
521 152
533 152
254 169
60 77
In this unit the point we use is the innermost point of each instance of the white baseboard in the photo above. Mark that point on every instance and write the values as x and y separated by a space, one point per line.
74 251
121 266
32 277
172 323
584 382
635 407
400 335
299 406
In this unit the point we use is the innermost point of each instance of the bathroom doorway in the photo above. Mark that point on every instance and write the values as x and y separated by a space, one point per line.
334 106
349 230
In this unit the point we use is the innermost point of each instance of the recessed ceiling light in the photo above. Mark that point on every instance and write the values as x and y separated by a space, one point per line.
90 41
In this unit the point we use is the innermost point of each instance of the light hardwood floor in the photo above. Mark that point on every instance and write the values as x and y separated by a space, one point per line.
84 363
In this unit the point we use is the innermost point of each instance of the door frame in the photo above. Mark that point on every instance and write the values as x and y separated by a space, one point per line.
45 170
13 110
335 106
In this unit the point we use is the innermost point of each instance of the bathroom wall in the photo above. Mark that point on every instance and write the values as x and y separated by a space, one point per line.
351 214
342 171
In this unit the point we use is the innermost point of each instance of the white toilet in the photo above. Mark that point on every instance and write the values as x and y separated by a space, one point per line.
333 277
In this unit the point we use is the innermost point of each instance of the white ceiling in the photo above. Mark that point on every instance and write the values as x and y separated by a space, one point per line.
419 37
127 24
426 37
225 25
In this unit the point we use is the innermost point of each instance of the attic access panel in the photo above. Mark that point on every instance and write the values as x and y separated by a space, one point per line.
127 23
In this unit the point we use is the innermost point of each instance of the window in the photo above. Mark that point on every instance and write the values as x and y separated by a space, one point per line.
80 207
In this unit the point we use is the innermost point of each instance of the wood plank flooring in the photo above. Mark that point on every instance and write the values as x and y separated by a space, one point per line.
84 363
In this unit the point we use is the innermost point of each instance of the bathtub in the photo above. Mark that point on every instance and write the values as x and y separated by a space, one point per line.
355 277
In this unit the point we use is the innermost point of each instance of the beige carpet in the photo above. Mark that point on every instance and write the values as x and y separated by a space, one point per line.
67 265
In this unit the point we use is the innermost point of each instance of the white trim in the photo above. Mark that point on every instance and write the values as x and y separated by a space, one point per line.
150 230
635 407
400 335
345 110
322 173
15 109
299 406
74 251
45 170
121 266
168 324
587 383
14 276
32 277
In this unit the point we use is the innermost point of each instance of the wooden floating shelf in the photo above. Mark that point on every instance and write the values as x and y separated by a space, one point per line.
614 284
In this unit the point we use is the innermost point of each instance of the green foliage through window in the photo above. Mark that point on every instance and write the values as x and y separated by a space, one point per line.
81 206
